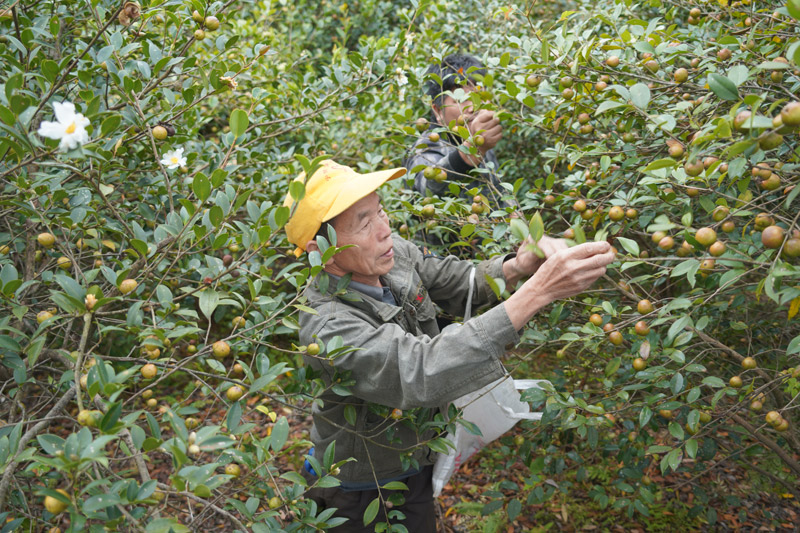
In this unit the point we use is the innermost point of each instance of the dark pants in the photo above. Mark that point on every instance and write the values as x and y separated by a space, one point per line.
419 507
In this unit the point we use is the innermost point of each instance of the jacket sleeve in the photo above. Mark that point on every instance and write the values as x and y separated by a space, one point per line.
397 369
438 155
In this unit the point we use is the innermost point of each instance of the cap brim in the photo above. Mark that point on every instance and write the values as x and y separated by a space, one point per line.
358 188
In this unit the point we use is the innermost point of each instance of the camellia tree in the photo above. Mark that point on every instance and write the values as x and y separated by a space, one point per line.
146 282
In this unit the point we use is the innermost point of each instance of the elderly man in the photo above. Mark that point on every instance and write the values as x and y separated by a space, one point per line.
401 359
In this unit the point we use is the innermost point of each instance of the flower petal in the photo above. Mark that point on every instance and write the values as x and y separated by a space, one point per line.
51 130
65 111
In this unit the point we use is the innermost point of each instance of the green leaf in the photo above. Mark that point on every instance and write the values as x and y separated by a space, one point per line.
395 485
536 227
723 87
239 122
691 448
201 186
631 246
660 163
209 300
95 503
793 7
280 432
372 511
519 229
166 525
350 414
640 95
608 105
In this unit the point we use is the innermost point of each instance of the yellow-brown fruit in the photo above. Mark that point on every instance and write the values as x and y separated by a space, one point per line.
707 266
693 168
615 337
596 319
54 505
717 249
728 226
211 23
735 382
428 211
63 263
639 364
644 307
666 413
616 213
657 236
676 150
680 75
127 286
579 206
234 393
641 328
612 61
232 469
773 418
631 213
782 426
238 321
756 406
720 213
790 114
792 247
160 133
748 363
763 220
740 119
221 349
43 315
47 240
667 243
706 236
772 237
770 140
312 349
149 371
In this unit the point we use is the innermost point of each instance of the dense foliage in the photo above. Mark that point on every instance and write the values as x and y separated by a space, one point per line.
145 275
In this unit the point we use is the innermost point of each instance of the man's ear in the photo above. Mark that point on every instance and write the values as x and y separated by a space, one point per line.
437 112
311 246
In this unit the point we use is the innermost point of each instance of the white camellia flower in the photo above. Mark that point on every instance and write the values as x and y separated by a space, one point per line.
70 127
173 159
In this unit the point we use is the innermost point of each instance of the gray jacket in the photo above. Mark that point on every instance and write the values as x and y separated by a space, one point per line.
403 361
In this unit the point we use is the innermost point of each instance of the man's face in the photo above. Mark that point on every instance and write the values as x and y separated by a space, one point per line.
450 110
365 226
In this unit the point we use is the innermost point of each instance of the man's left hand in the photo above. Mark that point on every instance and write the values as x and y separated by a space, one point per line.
526 263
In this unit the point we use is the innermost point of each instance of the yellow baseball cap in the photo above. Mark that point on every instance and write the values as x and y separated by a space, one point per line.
329 192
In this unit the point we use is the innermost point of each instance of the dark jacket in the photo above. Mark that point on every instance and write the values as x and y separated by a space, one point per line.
443 154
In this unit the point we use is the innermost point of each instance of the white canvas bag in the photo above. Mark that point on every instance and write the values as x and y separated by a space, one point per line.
495 409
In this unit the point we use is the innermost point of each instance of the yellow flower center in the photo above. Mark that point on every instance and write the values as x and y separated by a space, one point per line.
71 128
174 160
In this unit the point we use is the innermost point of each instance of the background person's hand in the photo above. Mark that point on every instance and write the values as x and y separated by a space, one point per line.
492 130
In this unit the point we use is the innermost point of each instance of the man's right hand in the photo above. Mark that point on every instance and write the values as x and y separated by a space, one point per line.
573 270
564 274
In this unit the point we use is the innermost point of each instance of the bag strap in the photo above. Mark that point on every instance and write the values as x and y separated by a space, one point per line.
468 310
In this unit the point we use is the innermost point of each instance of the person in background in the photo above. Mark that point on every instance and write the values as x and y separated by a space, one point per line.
440 151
